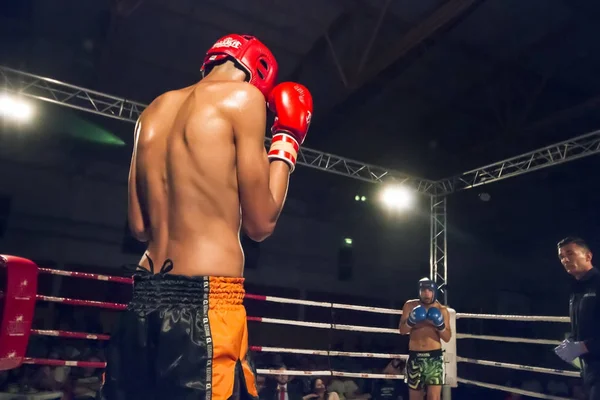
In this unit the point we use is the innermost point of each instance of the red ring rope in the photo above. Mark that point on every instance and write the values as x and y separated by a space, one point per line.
322 325
70 335
63 363
85 275
87 303
119 279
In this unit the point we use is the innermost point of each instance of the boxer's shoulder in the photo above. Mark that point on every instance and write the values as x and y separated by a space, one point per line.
165 102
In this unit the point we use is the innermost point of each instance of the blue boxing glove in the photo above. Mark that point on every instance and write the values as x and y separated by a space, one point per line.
417 315
569 350
436 317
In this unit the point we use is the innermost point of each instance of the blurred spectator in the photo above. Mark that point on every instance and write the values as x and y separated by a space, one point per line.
318 391
86 384
282 389
347 389
389 389
558 388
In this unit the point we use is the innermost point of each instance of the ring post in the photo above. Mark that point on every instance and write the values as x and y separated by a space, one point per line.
17 307
450 358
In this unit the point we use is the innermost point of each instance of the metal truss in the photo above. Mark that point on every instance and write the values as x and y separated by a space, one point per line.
53 91
79 98
438 260
559 153
72 96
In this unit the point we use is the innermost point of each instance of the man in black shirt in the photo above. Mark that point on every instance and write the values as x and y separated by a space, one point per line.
584 311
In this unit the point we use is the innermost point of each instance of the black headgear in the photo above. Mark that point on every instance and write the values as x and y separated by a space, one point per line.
427 283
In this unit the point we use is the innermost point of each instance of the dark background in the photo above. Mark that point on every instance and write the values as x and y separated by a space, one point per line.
444 87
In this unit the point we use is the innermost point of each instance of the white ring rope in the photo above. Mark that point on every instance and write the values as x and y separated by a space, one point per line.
525 318
324 325
509 389
327 373
327 353
573 374
507 339
381 310
324 304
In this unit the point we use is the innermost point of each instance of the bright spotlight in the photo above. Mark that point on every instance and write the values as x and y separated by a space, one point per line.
15 109
397 197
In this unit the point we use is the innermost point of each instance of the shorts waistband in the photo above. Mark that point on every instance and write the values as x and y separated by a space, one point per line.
426 354
166 290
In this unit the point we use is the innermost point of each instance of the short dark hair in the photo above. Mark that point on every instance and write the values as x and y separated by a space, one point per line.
573 240
280 365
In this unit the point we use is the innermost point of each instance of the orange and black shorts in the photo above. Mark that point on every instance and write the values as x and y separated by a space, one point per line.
181 338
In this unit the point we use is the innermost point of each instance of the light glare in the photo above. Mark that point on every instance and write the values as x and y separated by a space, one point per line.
397 197
15 109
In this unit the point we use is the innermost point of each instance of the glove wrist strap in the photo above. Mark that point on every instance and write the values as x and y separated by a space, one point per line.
285 148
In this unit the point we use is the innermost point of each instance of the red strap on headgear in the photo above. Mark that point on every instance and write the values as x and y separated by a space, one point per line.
250 55
18 305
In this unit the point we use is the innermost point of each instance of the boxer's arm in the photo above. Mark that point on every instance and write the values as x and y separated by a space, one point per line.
137 224
262 185
403 327
446 334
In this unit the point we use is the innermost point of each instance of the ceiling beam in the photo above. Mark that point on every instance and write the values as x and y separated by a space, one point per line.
514 65
124 8
564 115
436 21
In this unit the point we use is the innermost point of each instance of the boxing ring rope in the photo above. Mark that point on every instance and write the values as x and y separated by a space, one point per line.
85 303
85 275
70 335
511 390
318 325
325 304
326 352
551 371
507 339
523 318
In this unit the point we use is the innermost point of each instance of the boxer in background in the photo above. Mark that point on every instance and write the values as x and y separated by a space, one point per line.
427 323
199 175
584 310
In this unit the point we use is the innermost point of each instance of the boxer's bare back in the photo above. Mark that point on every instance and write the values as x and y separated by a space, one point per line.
424 336
199 160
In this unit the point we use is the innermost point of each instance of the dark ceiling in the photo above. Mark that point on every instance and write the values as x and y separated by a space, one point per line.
430 87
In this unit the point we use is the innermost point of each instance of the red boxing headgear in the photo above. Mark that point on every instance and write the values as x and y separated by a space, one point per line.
250 55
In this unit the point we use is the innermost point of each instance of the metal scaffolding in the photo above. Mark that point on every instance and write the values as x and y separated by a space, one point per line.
53 91
438 261
559 153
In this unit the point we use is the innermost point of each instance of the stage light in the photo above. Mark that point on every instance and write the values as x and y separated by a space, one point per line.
363 198
348 241
15 109
397 197
357 198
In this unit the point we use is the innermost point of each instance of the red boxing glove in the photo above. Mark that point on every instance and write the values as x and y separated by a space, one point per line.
293 106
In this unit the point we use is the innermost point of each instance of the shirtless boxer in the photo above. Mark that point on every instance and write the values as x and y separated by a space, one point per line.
200 174
426 320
